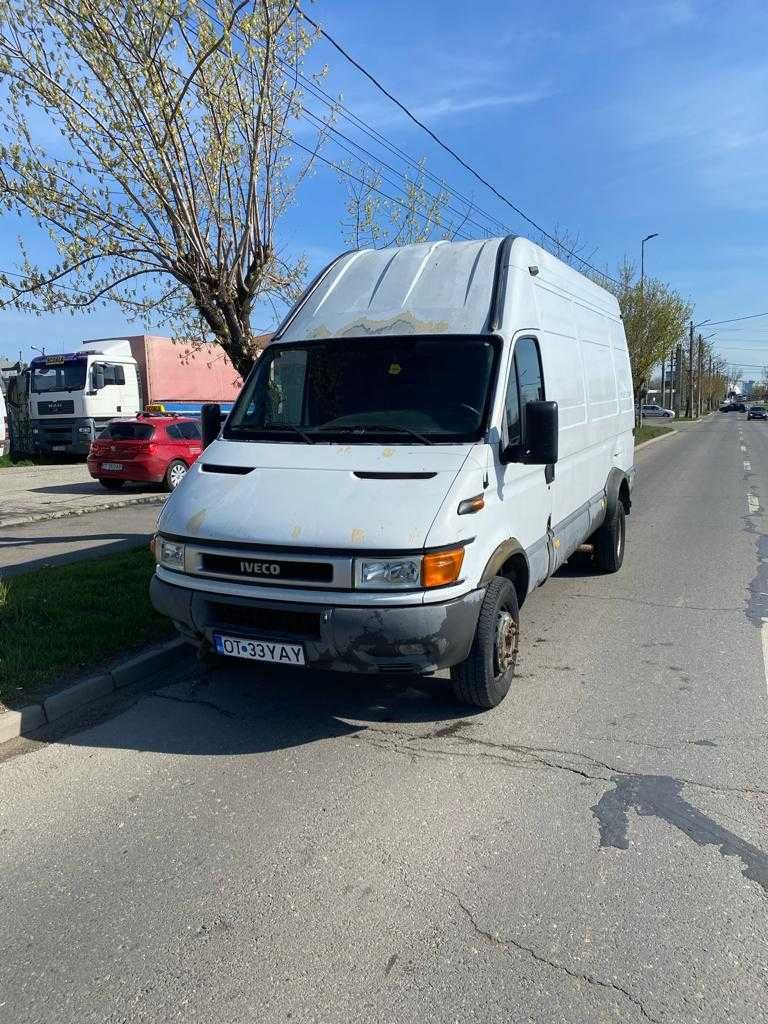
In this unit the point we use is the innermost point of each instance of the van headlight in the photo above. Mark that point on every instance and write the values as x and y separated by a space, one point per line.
378 573
434 569
169 554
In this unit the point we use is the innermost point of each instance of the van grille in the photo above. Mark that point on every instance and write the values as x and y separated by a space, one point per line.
263 567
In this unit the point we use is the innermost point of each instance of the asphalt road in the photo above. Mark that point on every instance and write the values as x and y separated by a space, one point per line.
74 537
282 845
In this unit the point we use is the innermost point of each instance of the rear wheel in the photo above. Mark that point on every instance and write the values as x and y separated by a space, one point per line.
485 677
175 473
111 485
610 540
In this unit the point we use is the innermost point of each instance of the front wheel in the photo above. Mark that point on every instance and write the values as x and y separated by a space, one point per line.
485 677
175 473
610 540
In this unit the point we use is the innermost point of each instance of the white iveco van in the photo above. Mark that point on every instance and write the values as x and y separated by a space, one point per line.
433 431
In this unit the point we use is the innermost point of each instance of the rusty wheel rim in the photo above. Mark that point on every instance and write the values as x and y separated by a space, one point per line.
505 647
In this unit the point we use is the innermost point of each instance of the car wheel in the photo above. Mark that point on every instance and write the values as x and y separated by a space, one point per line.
111 485
610 540
175 473
485 677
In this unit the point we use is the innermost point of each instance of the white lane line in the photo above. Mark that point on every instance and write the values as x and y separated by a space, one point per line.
753 504
747 467
743 448
764 638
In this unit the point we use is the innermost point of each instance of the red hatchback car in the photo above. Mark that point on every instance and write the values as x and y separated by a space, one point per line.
153 448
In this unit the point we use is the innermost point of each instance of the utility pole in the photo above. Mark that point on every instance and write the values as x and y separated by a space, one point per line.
709 388
689 397
679 379
663 382
698 377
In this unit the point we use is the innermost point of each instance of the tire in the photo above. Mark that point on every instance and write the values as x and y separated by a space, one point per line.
174 474
485 677
111 485
610 540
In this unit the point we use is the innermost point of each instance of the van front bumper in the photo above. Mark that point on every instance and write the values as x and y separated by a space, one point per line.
409 639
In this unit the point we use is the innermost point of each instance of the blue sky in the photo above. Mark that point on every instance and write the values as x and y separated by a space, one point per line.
612 120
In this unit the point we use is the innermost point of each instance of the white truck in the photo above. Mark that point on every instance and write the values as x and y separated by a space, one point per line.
73 396
433 431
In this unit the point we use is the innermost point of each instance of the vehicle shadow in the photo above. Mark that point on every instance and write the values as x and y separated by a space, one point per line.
242 710
91 487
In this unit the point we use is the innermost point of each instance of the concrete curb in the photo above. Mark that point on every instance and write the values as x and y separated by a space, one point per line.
653 440
35 716
40 517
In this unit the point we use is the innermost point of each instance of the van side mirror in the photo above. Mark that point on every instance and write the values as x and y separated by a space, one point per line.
540 434
210 422
98 376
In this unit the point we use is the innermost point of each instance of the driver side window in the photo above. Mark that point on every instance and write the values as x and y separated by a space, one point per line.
525 385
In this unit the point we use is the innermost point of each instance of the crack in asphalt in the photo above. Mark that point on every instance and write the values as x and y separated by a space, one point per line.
194 700
533 755
654 604
649 795
540 958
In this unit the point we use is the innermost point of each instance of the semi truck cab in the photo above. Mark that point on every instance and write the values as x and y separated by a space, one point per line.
73 396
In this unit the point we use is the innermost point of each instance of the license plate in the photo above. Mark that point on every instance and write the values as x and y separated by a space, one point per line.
259 650
59 447
112 466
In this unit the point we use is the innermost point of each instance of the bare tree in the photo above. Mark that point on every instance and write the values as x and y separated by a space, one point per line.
380 214
151 140
655 318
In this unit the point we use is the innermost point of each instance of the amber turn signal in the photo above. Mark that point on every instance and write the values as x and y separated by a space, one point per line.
441 567
470 505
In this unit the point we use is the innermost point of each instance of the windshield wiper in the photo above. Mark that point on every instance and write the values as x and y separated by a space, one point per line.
377 428
269 428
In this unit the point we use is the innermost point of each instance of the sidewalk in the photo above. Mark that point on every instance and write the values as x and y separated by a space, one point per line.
30 494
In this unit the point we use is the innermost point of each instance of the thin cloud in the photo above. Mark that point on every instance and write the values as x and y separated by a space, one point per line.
450 107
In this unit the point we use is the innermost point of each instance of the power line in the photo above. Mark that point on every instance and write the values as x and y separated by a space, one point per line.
752 316
320 94
452 152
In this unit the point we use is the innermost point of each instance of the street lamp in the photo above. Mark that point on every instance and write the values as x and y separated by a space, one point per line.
642 258
642 298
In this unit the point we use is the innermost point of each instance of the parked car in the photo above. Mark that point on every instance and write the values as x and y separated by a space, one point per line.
151 448
757 412
652 409
385 495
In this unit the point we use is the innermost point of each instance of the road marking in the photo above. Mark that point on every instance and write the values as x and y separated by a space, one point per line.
747 467
742 448
753 504
764 638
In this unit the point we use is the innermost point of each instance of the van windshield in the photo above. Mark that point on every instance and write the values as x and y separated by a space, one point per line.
411 390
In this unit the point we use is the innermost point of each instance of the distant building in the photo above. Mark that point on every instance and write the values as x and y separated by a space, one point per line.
747 387
7 370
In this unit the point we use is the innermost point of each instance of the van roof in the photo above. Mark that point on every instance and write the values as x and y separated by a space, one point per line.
429 288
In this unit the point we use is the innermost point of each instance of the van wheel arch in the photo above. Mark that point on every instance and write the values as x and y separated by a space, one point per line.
510 561
617 490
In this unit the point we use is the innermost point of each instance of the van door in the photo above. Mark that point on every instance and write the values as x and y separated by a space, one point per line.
526 490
